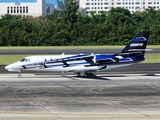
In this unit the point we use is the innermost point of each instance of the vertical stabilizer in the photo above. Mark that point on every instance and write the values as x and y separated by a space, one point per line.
137 44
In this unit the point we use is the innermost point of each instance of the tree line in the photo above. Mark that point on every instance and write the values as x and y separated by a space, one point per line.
69 27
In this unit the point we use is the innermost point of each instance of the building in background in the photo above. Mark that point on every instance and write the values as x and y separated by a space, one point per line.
35 9
105 5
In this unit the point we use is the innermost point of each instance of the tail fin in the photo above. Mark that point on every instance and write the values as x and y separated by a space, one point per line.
137 44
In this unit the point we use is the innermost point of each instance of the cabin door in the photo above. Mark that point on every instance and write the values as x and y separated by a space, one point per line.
40 62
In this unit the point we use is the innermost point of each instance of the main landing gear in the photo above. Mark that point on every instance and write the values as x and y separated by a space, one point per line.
82 74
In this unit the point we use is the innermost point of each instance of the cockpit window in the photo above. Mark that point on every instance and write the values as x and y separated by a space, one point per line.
23 60
26 60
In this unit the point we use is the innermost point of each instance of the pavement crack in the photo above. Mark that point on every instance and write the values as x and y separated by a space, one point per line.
70 77
154 85
48 110
42 106
146 115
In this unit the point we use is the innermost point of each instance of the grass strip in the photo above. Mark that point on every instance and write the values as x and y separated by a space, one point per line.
8 59
68 47
152 58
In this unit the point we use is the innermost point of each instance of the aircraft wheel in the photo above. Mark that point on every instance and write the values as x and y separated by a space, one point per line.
19 76
78 74
85 75
82 74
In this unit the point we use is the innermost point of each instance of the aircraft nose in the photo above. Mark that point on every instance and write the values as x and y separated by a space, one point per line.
7 67
11 67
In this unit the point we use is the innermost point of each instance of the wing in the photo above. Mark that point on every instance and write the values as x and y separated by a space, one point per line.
87 58
107 61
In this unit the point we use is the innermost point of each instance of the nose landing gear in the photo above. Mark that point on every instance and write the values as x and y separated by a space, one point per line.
19 75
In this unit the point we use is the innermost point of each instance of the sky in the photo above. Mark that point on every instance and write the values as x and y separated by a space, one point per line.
48 1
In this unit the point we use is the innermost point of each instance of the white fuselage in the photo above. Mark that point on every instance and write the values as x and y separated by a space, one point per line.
35 63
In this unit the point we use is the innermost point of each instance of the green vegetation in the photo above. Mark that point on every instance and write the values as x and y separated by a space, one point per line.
60 47
8 59
67 47
69 27
152 58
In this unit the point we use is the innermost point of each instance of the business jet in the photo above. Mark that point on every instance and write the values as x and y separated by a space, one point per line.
84 64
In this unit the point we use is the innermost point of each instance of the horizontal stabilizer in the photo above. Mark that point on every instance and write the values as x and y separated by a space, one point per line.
140 50
132 53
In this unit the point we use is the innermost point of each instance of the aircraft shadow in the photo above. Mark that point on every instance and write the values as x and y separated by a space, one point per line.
74 77
150 74
94 77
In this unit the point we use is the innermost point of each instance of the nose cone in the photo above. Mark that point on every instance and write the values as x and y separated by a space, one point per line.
12 67
7 67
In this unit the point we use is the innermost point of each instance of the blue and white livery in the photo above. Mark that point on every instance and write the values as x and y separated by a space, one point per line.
84 64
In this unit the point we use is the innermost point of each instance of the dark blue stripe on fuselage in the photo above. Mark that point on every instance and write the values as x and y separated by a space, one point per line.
102 57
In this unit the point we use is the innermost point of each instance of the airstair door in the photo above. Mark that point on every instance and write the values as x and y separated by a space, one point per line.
40 62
